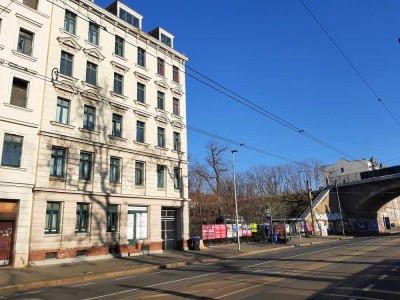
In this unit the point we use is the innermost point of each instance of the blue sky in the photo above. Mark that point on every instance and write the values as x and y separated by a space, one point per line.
274 54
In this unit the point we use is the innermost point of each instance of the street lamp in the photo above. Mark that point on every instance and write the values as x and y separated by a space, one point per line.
236 206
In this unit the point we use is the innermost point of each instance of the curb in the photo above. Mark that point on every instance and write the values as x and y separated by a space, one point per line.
12 289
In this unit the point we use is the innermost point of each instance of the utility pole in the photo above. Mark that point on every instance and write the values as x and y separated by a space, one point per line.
311 209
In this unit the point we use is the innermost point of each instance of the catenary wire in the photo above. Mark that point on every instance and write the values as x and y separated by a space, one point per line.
47 79
255 108
379 99
3 9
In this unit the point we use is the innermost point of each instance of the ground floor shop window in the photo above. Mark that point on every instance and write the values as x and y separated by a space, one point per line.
137 228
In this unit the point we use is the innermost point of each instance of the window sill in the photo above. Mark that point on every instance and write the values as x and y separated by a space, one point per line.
62 125
93 86
178 152
67 77
69 33
115 184
82 233
141 144
61 179
18 107
94 45
161 148
114 94
142 104
25 56
141 67
176 116
141 187
176 83
117 138
88 131
85 181
52 234
160 110
120 57
161 76
160 189
14 168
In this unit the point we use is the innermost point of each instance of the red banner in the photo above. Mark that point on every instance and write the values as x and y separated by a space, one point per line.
213 231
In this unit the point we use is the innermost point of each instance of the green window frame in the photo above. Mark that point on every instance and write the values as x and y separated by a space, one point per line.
93 34
66 63
177 178
141 59
91 73
52 221
139 173
141 92
57 163
119 46
63 108
160 100
85 166
115 169
12 150
177 141
89 117
118 83
161 137
112 218
70 22
140 130
116 125
82 217
160 176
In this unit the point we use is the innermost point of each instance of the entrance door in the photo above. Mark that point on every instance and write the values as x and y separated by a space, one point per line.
6 237
168 229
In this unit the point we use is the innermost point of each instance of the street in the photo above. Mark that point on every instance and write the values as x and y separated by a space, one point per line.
360 268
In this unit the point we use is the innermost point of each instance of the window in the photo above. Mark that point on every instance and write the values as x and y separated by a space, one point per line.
89 116
85 166
25 42
19 92
52 224
31 3
141 92
161 137
57 163
62 115
93 35
341 170
91 73
160 176
141 57
82 217
115 169
166 40
177 178
139 173
12 150
177 141
160 100
140 131
129 18
137 224
119 46
70 22
112 218
160 67
175 108
116 125
175 74
66 63
118 83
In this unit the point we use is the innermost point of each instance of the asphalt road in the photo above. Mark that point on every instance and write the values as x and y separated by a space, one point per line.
362 268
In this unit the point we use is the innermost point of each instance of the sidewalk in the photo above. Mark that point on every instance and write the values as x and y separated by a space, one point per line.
18 280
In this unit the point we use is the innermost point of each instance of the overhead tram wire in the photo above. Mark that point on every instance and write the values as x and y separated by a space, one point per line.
3 9
255 108
3 63
379 99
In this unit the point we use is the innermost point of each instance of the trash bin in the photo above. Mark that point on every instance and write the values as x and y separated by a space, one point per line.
194 243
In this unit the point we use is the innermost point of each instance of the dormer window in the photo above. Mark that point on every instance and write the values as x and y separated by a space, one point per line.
166 40
129 18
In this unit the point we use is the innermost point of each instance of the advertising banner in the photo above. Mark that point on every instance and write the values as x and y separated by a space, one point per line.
253 227
214 231
229 231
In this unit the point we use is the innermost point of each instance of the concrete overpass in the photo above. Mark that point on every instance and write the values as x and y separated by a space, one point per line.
364 205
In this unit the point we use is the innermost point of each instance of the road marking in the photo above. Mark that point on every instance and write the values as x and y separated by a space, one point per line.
155 273
153 285
28 293
383 277
395 269
124 277
78 285
369 287
352 298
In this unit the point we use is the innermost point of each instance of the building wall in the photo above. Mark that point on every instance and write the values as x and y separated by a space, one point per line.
99 192
345 171
16 183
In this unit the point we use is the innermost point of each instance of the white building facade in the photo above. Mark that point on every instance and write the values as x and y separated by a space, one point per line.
110 177
24 31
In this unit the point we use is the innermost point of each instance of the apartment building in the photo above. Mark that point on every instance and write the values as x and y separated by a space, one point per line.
93 134
24 31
